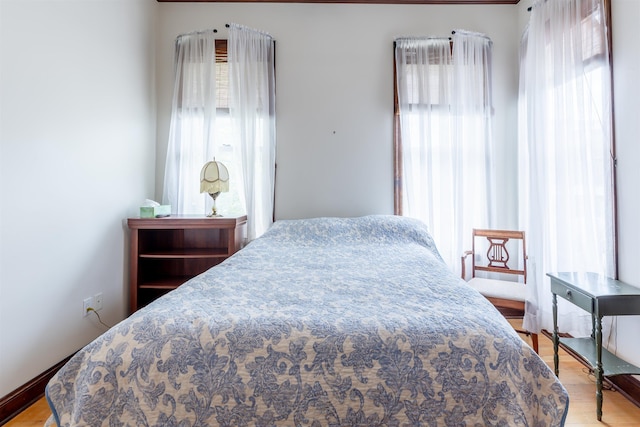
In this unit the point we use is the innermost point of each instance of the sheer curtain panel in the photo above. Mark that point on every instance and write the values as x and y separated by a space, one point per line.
565 150
252 108
444 103
193 113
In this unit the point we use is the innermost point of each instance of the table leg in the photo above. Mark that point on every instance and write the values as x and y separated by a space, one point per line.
555 335
599 370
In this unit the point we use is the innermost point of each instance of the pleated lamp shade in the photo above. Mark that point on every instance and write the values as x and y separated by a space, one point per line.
214 178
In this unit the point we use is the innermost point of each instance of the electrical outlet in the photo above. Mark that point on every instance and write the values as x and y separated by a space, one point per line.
97 301
86 303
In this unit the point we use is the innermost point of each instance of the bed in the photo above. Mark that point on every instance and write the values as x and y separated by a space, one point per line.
319 322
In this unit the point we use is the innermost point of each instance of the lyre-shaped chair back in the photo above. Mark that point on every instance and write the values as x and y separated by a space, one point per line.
501 247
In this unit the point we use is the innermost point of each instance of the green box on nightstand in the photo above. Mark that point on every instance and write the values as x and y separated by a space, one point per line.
154 211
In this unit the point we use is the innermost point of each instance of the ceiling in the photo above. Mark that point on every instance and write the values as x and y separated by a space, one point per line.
351 1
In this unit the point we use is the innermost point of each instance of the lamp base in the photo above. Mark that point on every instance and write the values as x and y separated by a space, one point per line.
214 211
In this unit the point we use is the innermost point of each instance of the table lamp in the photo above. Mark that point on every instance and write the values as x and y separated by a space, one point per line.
214 179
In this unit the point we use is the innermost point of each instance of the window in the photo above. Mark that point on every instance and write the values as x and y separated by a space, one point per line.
442 137
201 127
227 150
237 127
566 177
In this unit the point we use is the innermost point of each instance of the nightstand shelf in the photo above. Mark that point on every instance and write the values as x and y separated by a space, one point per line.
166 252
164 283
187 253
611 364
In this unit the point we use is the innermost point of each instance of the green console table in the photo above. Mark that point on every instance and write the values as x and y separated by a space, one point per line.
601 296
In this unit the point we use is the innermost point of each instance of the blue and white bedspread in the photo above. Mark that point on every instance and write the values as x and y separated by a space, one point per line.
320 322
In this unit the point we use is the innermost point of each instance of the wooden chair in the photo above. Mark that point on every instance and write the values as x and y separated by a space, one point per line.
507 296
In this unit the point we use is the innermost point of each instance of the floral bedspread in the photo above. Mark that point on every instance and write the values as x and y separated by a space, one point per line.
320 322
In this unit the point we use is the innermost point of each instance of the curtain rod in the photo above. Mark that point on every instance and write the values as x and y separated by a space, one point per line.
213 30
474 33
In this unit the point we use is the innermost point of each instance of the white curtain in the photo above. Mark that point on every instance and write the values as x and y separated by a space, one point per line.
445 108
193 113
565 164
252 107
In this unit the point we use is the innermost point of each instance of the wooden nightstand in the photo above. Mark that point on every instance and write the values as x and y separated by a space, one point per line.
600 296
166 252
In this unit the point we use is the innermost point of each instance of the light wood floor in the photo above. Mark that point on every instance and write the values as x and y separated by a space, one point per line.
617 411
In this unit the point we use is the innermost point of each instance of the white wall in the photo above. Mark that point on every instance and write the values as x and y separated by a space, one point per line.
77 155
626 68
334 84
